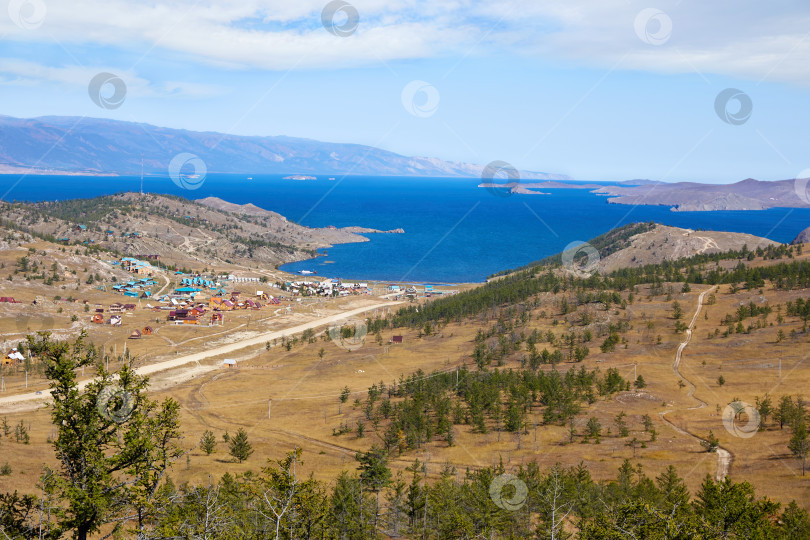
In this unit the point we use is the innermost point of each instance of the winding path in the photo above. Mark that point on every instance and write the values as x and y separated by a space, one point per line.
724 457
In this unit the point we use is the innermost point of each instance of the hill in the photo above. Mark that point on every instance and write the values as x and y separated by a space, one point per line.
802 238
685 376
639 244
206 233
664 243
748 194
92 146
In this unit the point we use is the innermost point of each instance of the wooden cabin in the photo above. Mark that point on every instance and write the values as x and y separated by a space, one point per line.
12 358
218 303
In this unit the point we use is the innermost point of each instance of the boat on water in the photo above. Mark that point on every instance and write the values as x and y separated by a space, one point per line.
307 272
250 178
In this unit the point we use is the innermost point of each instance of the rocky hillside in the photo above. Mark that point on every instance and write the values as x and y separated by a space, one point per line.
664 243
803 237
180 231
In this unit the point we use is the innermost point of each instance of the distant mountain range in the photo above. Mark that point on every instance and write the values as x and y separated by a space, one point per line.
91 146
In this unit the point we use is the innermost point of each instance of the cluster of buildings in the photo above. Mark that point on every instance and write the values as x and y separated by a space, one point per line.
190 312
325 287
239 279
190 315
220 303
135 288
193 285
82 228
136 266
115 310
200 281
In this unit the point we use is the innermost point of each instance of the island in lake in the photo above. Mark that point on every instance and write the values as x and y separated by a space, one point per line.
749 194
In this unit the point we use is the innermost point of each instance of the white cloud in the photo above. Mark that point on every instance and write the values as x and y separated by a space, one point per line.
25 73
743 39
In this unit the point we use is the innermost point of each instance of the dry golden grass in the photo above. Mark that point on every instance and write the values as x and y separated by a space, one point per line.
305 406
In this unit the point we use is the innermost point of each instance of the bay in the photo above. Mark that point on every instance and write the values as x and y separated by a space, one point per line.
454 231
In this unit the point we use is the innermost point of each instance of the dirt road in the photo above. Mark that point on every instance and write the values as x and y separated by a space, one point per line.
723 455
13 402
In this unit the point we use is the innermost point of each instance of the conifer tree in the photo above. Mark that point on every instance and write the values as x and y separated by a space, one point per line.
238 445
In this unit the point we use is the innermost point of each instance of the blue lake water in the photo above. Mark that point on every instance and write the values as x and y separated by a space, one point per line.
454 231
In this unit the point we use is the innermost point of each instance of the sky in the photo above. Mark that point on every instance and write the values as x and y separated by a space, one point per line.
595 89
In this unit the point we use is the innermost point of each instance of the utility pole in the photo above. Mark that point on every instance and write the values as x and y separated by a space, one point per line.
141 174
269 406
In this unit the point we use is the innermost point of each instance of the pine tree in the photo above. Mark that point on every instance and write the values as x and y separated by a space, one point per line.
710 443
786 411
673 489
799 444
593 428
621 425
208 442
103 474
239 447
795 522
765 409
347 509
374 474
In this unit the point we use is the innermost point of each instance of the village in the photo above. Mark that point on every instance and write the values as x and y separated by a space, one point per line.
157 296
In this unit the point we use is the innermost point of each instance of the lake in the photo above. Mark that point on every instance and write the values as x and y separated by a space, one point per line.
454 231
